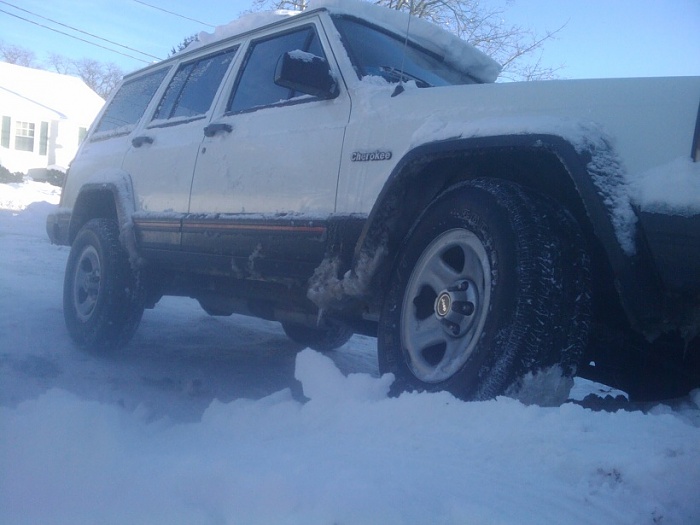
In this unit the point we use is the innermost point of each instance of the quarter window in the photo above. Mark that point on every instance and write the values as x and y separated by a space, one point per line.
192 89
256 86
130 102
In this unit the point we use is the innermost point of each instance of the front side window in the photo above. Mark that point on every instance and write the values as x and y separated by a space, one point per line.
130 102
192 89
256 86
24 136
377 53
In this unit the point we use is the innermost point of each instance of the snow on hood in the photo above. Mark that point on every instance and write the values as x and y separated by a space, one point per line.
456 51
672 189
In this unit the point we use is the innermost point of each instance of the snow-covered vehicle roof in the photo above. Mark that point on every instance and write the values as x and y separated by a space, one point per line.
455 51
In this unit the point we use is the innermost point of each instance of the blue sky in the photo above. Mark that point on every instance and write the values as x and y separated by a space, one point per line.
601 38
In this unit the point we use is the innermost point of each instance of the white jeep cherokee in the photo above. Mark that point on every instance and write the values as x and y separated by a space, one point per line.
344 170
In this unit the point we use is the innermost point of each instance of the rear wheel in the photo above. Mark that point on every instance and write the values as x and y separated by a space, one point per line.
103 298
491 287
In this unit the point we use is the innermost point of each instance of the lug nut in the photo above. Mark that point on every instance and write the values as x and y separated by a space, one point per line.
463 307
452 327
459 287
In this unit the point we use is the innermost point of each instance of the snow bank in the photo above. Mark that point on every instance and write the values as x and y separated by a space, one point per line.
349 455
17 196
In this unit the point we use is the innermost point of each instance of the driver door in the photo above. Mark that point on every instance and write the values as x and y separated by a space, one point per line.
267 173
274 150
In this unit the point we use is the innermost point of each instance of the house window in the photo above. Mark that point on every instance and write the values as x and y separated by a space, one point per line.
24 136
5 132
44 138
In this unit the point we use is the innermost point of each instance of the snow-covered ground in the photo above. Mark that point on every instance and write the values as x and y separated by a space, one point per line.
221 420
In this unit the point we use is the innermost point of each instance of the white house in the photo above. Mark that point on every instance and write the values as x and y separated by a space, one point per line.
44 115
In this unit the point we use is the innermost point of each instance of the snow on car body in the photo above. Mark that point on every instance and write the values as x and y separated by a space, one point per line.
325 171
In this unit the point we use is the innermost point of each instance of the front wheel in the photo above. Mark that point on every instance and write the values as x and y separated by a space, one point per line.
490 289
103 298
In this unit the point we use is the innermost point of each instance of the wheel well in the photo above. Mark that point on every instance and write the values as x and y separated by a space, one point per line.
92 204
535 167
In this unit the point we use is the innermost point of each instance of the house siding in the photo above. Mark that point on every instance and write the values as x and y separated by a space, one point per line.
43 114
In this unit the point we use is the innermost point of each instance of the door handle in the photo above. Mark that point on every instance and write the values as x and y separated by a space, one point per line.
137 142
213 129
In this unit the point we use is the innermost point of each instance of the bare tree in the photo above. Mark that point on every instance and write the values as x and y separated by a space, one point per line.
183 44
518 49
17 55
101 77
60 64
292 5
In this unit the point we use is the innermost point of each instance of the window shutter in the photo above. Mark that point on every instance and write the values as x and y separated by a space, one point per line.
5 135
44 138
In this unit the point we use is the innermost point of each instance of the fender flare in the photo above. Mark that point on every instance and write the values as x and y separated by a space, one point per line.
598 178
117 185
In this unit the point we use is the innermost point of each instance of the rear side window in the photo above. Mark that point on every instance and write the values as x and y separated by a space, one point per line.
192 89
256 86
130 102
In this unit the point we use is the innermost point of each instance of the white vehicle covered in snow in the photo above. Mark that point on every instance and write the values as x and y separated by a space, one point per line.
342 170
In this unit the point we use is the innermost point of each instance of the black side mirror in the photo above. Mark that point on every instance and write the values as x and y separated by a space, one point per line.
307 74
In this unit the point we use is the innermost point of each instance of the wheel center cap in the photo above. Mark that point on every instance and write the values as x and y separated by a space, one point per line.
442 304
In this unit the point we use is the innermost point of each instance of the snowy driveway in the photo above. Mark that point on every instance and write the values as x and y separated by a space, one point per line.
206 420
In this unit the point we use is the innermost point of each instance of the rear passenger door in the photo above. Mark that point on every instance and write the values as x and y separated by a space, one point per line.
164 150
109 140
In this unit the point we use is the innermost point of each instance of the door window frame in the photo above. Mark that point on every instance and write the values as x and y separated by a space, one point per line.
172 121
250 47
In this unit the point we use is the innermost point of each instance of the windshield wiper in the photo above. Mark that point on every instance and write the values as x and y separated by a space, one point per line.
396 75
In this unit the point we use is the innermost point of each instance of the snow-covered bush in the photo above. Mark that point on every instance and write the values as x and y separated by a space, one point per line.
55 177
6 176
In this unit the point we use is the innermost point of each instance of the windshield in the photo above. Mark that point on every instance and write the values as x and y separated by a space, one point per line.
374 52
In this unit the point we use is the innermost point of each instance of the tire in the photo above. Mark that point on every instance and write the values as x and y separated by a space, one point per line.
492 284
103 298
324 339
